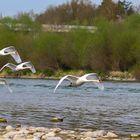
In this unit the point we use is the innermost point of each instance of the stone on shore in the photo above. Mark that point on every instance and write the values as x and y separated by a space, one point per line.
2 120
9 128
42 133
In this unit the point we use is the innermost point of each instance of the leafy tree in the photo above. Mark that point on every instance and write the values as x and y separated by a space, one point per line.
74 12
125 8
108 9
25 22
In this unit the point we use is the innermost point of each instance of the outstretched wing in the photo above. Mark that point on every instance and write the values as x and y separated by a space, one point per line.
16 57
91 76
4 82
69 77
30 66
13 52
94 76
9 65
100 85
72 78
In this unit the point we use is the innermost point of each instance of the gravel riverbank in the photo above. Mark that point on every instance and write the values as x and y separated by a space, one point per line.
41 133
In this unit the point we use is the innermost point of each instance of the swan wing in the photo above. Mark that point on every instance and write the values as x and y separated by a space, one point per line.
94 76
100 85
4 82
31 67
72 78
16 57
68 77
13 52
9 65
27 65
91 76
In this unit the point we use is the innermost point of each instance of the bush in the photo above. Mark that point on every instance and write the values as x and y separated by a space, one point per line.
136 71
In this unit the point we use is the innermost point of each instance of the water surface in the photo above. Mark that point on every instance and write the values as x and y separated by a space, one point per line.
33 103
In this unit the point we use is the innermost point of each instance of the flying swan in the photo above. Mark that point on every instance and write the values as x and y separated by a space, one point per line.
22 66
77 81
11 51
4 82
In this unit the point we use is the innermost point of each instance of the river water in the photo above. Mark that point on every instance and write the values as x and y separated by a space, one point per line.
33 102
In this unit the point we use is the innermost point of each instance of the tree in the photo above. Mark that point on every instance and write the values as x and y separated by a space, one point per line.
125 8
74 12
25 22
113 11
108 9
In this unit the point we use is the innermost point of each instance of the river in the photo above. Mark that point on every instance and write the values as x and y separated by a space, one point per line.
33 102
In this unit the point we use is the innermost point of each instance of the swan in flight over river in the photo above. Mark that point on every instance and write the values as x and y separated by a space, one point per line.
22 66
77 81
4 82
11 51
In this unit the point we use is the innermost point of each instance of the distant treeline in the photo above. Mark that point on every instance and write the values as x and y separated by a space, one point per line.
115 45
84 12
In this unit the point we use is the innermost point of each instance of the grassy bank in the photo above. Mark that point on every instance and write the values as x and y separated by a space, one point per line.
44 75
112 76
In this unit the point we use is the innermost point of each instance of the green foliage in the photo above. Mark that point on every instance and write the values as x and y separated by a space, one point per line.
84 12
73 12
73 52
46 50
136 71
113 46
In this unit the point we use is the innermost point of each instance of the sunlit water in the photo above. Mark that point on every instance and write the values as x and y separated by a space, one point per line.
33 103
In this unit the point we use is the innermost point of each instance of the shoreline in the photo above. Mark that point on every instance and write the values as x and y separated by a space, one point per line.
114 76
20 132
58 78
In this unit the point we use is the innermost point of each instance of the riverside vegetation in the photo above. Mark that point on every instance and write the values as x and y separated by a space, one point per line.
114 46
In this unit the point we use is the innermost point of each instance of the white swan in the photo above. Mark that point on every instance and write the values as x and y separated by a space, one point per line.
11 51
22 66
4 82
77 81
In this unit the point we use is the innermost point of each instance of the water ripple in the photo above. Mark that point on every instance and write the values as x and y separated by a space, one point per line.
33 102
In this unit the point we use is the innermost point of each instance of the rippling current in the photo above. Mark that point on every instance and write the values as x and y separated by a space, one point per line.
33 102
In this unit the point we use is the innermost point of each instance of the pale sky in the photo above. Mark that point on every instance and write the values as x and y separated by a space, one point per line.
12 7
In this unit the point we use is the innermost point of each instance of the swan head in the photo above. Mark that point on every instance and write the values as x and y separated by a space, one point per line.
70 84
